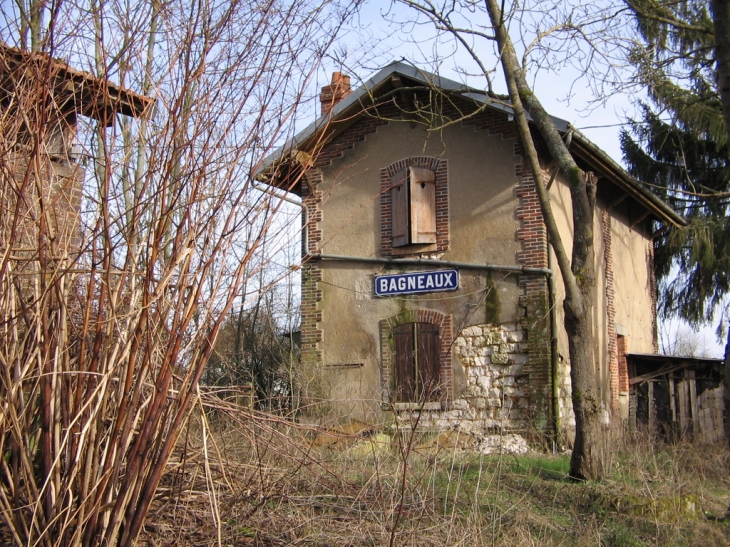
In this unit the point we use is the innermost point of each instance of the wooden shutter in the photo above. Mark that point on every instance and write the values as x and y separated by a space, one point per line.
427 361
423 205
399 198
405 363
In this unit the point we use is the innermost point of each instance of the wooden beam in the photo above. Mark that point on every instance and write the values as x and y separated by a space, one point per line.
666 369
406 98
690 375
672 398
684 416
651 408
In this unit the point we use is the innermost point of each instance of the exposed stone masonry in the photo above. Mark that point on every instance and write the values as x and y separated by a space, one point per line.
533 237
496 395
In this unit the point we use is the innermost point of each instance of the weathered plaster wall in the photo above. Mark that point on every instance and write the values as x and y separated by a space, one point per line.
632 277
483 224
481 191
623 298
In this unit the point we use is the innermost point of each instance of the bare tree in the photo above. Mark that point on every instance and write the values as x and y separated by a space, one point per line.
576 266
682 340
114 280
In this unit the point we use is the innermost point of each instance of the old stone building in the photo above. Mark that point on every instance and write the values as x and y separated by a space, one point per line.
427 281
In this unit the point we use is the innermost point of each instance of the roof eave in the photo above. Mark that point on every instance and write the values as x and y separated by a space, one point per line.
628 183
363 97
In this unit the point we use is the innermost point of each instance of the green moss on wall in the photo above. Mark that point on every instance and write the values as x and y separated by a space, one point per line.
491 304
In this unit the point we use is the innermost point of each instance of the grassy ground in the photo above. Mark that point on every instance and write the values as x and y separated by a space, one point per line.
263 483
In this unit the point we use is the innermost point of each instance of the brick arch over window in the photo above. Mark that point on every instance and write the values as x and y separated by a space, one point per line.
444 323
389 178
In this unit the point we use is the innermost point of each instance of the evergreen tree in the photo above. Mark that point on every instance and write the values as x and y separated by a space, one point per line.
680 147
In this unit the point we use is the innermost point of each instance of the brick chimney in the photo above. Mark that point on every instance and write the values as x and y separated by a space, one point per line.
335 92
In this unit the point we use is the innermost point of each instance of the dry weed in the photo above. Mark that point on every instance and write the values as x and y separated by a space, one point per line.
243 478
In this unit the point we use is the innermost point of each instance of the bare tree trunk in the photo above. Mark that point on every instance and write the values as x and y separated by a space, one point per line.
578 274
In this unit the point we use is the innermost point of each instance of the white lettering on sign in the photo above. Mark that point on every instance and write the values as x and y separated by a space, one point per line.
416 283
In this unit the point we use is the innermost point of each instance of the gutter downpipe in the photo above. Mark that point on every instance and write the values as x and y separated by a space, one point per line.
266 189
554 388
430 262
547 272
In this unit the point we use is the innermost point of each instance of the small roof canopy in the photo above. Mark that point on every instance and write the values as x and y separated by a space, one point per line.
649 366
284 167
71 89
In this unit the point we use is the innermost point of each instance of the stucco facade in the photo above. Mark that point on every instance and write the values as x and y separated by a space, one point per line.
498 367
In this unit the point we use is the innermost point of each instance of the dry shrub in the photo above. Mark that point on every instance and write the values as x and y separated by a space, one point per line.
114 281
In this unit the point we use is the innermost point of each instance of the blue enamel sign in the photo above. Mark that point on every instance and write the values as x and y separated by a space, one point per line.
416 283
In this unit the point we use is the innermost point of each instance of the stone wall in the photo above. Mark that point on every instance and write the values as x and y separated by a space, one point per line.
491 384
565 402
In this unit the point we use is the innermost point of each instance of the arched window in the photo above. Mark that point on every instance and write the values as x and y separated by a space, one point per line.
415 355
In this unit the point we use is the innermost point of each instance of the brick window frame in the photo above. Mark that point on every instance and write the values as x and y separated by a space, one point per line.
443 241
622 349
444 322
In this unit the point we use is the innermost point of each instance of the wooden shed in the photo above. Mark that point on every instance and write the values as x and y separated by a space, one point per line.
677 397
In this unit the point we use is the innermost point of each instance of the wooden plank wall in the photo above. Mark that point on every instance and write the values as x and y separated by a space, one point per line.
699 416
709 415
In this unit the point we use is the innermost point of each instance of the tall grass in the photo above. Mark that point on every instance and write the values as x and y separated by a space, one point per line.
274 484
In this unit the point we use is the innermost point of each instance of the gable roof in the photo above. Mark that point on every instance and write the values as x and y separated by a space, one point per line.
300 148
71 89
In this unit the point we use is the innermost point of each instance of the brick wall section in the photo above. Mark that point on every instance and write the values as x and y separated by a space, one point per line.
622 364
346 140
440 167
312 334
446 340
60 197
532 235
311 306
495 123
613 362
